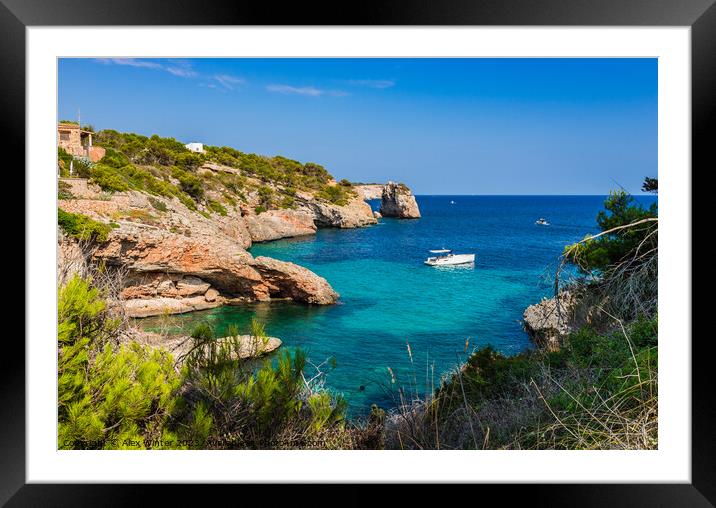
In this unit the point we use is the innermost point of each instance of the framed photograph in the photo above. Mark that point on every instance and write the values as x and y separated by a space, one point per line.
407 245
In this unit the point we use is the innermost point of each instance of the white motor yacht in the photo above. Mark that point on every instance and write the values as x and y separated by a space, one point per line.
445 257
542 222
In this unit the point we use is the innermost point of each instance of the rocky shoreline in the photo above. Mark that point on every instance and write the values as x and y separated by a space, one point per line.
181 345
177 260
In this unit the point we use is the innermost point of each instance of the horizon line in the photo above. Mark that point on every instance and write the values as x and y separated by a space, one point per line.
529 195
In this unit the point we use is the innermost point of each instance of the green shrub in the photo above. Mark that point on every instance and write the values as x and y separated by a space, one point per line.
233 183
130 396
108 178
82 227
166 158
63 161
114 159
187 201
278 170
109 398
598 391
80 168
230 200
189 161
217 207
64 190
260 409
266 196
287 202
644 332
202 332
610 249
336 194
189 183
157 204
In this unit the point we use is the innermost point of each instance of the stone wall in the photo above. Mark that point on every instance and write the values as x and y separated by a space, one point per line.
72 145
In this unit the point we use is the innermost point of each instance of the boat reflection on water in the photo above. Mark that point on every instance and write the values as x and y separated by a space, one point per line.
462 266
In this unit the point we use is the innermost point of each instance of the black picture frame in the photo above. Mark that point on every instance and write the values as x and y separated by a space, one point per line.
700 15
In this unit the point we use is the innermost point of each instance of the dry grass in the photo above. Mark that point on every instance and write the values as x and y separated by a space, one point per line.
625 291
75 258
531 414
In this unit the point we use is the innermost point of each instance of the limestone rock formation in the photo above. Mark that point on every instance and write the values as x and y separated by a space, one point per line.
153 212
357 213
547 323
180 345
398 201
276 224
369 191
197 273
252 347
211 167
71 259
171 285
145 307
288 280
178 259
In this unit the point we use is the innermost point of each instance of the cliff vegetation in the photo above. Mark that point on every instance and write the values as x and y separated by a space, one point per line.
165 167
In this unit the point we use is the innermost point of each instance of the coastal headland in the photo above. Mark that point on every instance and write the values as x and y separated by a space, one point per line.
179 232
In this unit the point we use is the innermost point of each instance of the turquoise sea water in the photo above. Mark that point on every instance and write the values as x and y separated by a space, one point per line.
389 298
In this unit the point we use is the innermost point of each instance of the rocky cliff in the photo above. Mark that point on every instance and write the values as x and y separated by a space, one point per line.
355 214
277 224
397 201
172 273
369 191
176 260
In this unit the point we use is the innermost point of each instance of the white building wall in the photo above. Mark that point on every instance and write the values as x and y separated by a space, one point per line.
195 147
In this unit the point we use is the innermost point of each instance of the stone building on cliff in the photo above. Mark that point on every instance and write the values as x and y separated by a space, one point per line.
78 142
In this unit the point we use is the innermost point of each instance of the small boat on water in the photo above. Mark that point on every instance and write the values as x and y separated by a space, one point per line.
542 222
445 257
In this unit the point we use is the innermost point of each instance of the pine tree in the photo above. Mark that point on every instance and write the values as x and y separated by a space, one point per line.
108 396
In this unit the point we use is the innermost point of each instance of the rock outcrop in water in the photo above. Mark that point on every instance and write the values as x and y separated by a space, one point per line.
181 345
369 190
398 201
356 214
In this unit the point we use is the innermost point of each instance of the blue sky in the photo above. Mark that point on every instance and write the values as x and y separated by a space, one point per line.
443 126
